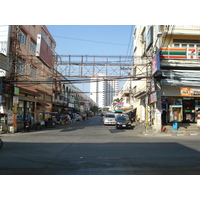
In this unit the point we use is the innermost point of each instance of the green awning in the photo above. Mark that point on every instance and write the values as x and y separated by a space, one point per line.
120 111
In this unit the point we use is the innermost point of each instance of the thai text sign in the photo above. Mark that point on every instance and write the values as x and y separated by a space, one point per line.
189 92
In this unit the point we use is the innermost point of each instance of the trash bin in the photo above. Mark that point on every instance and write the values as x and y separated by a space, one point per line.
175 126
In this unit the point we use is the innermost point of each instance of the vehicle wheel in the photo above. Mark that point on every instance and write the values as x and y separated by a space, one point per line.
116 127
1 143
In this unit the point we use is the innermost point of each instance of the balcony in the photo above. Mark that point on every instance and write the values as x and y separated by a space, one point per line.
183 29
124 93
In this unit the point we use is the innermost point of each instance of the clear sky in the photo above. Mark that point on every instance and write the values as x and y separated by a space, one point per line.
93 40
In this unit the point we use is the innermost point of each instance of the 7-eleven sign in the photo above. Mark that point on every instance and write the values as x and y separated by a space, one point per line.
191 54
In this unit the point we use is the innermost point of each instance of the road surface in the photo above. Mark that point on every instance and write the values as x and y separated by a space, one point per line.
90 148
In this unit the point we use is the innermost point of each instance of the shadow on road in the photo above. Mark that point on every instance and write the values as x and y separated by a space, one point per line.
149 158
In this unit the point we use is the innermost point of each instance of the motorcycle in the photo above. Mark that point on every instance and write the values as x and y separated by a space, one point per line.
27 127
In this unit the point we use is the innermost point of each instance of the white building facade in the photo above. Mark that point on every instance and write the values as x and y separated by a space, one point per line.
166 58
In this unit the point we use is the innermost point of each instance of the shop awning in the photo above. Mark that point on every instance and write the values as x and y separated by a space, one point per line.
50 113
26 91
120 111
141 95
42 103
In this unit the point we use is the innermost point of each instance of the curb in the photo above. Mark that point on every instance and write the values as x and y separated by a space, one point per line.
171 134
188 134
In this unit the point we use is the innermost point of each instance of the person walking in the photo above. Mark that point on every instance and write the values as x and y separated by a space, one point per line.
84 116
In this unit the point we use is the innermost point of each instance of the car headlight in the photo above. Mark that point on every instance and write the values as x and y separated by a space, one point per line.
119 123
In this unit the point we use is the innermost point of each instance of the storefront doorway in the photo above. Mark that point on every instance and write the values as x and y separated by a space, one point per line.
188 110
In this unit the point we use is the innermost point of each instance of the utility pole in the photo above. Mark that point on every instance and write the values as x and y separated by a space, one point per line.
14 56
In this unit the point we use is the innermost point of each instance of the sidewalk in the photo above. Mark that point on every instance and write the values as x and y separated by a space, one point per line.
147 130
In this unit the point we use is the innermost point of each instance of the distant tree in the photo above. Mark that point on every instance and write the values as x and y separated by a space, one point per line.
116 101
94 109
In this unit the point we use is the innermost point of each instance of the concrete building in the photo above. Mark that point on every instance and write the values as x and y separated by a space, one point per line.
166 58
103 91
31 88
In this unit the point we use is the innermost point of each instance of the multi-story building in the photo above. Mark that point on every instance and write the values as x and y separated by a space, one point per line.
103 91
166 58
111 89
28 78
31 87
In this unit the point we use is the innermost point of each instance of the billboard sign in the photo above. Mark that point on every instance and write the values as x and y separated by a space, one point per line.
156 63
4 39
153 97
44 52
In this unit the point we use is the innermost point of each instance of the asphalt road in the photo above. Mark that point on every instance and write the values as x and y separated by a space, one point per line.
90 148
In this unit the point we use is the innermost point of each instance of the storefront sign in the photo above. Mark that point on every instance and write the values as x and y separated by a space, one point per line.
189 92
156 63
16 90
15 100
4 39
153 89
191 54
10 118
180 53
120 104
70 105
153 97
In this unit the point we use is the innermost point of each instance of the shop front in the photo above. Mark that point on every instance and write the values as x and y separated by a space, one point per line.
181 109
25 107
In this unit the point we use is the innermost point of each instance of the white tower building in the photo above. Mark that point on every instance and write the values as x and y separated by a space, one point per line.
103 91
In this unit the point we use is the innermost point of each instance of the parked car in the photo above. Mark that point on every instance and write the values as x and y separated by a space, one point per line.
90 114
109 118
78 117
122 121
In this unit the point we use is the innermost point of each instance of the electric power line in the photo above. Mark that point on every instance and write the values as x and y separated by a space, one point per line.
90 40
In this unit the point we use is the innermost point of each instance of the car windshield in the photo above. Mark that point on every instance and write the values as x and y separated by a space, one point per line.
110 116
122 118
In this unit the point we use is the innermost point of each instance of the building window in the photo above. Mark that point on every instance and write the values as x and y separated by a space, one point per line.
32 46
48 98
44 35
22 37
32 71
21 66
41 97
191 45
179 43
51 44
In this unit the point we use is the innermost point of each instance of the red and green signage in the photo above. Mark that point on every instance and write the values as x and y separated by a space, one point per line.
180 53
